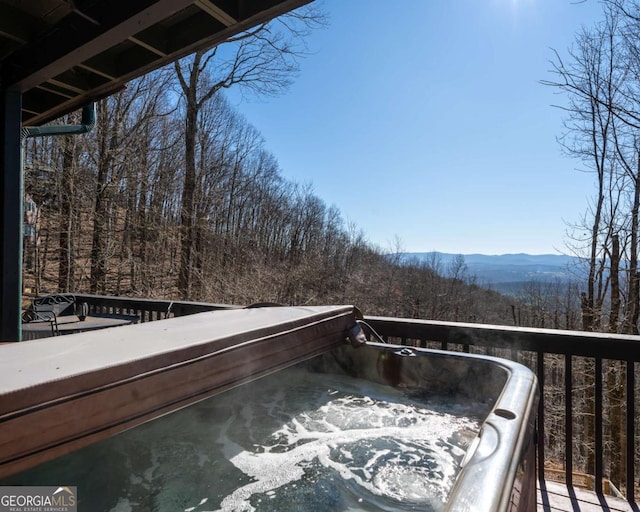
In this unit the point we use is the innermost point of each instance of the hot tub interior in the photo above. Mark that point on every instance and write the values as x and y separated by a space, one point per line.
373 428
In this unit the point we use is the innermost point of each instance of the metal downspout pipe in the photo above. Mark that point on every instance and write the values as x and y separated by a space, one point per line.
87 123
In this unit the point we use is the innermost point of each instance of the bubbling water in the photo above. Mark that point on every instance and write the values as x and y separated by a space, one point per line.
292 441
336 443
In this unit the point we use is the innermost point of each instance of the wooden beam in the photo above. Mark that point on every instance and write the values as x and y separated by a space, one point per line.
76 86
120 61
55 90
216 12
147 46
92 54
82 40
98 71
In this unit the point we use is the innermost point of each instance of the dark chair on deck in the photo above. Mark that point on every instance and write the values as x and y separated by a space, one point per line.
49 308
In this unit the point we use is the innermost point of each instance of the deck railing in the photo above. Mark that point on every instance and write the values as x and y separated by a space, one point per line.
146 309
586 422
554 356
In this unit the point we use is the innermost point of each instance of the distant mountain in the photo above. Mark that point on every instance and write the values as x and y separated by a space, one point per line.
506 273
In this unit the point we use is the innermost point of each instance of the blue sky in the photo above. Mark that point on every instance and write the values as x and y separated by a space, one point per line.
424 121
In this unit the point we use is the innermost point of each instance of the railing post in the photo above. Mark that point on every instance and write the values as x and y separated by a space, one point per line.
540 372
598 426
631 443
11 213
568 420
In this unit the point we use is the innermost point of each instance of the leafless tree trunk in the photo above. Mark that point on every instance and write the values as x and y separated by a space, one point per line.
590 80
66 264
263 61
615 284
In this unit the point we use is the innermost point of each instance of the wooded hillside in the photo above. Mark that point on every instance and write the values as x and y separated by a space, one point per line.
110 221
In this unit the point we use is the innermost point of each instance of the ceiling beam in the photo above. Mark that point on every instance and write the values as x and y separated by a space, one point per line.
66 84
78 81
55 90
107 58
75 40
216 12
97 71
147 46
29 111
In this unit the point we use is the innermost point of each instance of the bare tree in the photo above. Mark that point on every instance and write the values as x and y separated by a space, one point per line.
590 79
122 118
261 61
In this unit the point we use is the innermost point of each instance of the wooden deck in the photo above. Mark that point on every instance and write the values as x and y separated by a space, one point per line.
556 497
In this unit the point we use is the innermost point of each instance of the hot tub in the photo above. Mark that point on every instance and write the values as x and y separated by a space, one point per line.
497 471
378 427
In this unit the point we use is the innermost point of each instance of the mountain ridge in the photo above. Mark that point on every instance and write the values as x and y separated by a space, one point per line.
506 273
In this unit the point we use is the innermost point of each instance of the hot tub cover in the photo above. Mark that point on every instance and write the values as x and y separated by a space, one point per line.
59 394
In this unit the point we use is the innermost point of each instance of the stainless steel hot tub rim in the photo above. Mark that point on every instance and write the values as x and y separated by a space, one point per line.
498 472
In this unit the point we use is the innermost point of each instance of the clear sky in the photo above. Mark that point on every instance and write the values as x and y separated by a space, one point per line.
424 121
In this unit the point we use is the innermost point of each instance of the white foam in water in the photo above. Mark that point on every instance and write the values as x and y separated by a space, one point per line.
383 446
289 442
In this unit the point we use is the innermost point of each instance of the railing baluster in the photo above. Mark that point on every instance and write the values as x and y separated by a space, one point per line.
631 443
540 364
568 420
598 426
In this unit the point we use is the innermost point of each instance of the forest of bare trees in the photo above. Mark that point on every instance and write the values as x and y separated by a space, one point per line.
600 79
175 195
111 220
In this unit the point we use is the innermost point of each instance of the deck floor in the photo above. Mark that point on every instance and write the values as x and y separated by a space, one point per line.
556 497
